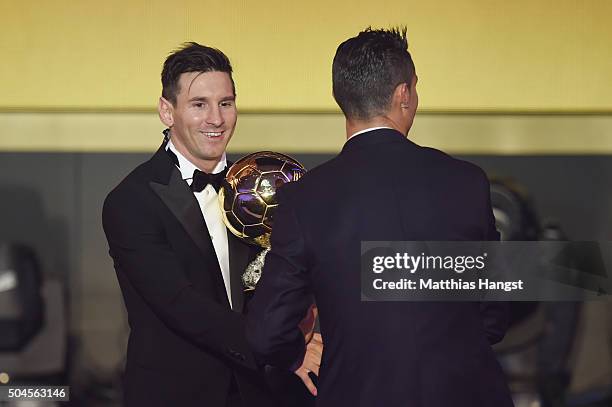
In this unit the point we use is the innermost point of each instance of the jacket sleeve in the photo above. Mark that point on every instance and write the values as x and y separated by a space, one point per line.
283 293
144 256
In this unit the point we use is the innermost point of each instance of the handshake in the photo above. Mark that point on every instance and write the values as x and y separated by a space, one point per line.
238 210
314 350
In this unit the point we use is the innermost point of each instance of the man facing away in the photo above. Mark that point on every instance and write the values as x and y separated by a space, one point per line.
381 187
178 267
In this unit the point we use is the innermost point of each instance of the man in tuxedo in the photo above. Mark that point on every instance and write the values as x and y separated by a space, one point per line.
178 267
381 187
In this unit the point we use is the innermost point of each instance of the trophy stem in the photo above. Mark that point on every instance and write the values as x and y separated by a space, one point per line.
252 273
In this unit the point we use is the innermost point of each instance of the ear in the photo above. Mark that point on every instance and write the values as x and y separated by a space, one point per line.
402 93
166 112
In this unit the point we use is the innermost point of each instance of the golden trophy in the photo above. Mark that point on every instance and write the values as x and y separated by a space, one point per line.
248 201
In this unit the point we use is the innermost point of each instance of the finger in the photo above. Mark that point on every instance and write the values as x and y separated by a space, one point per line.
315 346
316 343
316 351
303 374
311 367
310 360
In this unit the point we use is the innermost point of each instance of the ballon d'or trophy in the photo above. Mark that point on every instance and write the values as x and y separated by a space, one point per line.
248 202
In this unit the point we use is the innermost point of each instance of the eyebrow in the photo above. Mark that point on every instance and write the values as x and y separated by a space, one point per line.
205 99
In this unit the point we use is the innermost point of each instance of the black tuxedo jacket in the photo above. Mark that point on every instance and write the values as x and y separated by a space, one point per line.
185 342
381 187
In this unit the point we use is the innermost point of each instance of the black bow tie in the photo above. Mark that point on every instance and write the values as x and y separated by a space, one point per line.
201 179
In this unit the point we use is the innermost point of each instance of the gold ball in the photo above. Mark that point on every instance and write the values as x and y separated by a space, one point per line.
248 195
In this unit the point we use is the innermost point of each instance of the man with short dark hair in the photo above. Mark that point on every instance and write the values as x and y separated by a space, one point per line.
178 267
381 187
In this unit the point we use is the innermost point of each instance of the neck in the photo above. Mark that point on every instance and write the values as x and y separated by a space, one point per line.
206 165
202 164
353 126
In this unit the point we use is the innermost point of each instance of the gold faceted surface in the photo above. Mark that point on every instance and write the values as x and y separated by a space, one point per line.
248 195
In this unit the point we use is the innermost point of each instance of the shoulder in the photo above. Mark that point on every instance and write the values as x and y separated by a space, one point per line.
455 169
129 190
312 179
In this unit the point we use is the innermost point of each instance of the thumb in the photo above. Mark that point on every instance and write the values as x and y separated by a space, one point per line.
303 374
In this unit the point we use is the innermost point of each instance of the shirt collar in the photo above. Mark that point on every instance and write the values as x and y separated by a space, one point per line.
187 168
367 130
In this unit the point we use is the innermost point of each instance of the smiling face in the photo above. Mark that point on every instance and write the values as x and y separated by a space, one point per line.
203 118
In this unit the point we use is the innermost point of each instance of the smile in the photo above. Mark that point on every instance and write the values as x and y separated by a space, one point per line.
212 134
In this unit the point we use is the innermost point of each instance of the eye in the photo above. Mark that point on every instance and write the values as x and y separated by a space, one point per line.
199 105
227 103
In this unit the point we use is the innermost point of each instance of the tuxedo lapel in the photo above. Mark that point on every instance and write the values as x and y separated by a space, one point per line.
180 200
176 195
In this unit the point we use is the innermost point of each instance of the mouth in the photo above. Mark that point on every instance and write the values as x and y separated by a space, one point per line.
212 134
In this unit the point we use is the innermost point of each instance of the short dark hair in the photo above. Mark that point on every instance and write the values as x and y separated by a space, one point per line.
191 57
367 69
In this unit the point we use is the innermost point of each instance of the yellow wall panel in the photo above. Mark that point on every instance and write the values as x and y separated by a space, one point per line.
483 55
290 133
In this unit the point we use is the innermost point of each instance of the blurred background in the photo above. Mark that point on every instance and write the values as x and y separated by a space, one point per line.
522 88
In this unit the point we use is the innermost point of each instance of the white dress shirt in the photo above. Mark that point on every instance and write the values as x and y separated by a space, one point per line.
209 205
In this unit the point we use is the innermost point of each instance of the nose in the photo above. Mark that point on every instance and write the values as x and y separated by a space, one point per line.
215 117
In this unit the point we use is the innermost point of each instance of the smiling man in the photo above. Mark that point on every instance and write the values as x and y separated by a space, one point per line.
178 267
202 117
